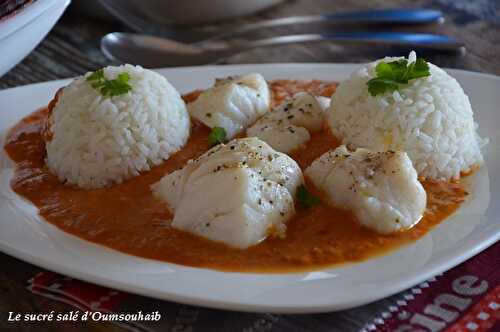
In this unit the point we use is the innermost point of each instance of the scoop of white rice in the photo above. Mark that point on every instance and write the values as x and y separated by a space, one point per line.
430 118
98 141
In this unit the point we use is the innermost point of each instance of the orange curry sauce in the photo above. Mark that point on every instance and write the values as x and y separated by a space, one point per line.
127 218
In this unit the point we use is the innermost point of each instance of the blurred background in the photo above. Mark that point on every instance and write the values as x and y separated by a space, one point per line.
73 46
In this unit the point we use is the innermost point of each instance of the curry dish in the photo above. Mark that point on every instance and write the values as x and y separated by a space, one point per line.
126 217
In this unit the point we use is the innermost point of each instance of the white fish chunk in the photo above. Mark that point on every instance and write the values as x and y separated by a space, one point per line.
237 193
232 103
381 188
282 137
289 125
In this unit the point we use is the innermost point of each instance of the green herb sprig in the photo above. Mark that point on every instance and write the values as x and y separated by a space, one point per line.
391 75
217 136
305 198
107 87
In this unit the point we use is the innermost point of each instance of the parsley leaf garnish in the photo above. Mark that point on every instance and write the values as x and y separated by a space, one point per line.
391 75
217 136
107 87
305 198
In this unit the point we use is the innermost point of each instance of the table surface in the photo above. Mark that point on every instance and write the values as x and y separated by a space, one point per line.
71 49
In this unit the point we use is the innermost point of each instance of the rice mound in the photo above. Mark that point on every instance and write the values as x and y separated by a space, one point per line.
430 118
98 141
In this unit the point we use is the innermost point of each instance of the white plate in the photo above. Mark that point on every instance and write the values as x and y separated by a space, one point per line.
473 228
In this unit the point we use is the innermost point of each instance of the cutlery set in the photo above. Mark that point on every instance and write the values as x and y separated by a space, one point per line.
191 46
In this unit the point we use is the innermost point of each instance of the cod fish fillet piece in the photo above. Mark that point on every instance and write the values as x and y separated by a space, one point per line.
288 126
381 188
232 103
236 193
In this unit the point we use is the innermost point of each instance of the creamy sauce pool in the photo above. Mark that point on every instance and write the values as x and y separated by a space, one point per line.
127 218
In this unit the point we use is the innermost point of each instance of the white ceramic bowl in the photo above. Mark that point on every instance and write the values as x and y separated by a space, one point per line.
22 32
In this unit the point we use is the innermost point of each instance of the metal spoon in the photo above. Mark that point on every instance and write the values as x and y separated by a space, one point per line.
150 51
194 34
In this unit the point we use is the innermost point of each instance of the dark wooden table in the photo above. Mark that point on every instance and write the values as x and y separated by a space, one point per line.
72 49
